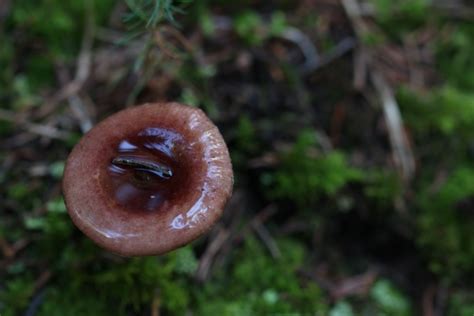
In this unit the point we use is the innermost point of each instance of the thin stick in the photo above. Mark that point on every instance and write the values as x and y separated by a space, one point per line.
402 152
401 149
38 129
267 239
212 249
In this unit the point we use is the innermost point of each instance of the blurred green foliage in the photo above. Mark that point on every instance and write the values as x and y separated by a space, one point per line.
104 285
455 55
446 226
52 33
258 284
253 30
147 14
462 304
443 124
389 300
342 308
448 112
16 295
400 17
303 176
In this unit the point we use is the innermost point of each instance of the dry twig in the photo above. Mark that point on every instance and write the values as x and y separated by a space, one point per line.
355 285
206 260
402 152
34 128
428 301
403 155
71 90
267 239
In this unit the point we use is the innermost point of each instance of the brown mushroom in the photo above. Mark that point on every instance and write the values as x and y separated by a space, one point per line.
148 179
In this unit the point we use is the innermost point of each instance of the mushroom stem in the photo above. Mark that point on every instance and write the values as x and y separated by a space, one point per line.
156 168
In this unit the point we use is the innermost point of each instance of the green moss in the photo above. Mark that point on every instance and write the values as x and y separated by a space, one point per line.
253 30
278 23
446 233
5 128
6 67
342 308
399 17
382 186
389 300
246 140
448 111
461 304
108 287
19 191
303 176
260 285
454 55
15 295
55 29
63 302
250 27
56 169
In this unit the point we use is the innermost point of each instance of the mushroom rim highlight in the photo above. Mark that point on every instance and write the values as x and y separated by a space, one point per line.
148 179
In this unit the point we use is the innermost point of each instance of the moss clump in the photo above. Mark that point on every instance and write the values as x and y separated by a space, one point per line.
258 284
303 175
445 223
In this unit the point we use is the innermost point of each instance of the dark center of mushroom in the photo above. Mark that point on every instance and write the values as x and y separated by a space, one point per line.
150 169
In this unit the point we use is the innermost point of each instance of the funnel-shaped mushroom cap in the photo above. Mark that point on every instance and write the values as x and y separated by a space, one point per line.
148 179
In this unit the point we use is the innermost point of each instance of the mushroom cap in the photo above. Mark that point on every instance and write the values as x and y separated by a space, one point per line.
116 196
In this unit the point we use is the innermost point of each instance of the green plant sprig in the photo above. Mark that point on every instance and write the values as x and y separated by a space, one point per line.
146 15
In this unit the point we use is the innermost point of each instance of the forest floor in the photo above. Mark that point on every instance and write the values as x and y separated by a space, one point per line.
351 130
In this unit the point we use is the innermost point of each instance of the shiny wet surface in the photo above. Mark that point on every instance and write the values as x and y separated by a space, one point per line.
149 170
